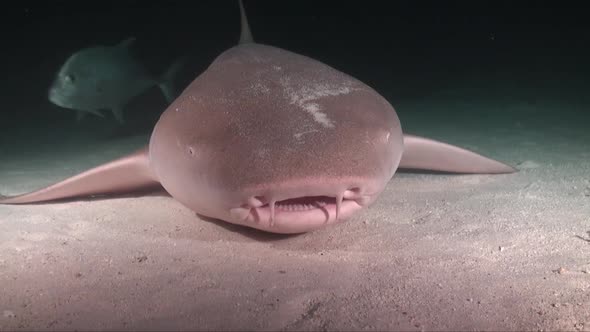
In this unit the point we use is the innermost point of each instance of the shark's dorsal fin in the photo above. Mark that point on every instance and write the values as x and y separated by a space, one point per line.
245 34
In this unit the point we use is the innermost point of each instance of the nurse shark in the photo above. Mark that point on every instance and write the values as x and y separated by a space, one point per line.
272 140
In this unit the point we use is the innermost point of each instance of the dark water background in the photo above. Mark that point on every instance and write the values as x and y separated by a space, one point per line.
408 50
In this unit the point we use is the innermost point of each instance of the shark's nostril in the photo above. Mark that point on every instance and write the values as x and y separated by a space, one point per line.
352 193
355 190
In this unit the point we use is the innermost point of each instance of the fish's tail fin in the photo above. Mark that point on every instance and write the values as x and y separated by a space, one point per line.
123 175
245 33
426 154
166 82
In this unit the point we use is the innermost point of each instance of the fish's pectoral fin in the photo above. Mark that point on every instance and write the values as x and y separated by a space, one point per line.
123 175
80 115
95 112
166 82
422 153
118 113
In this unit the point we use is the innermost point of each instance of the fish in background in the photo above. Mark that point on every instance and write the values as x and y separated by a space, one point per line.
101 78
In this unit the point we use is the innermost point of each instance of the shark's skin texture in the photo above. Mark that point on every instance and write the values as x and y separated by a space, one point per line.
272 140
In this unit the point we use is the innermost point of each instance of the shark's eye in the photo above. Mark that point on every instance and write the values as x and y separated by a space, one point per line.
70 78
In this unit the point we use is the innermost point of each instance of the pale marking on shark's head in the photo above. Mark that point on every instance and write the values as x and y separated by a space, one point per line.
305 96
298 136
259 88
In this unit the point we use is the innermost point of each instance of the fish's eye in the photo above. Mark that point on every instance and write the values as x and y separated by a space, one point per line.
70 78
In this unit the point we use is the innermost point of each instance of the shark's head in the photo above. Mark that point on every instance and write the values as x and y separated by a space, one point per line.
276 141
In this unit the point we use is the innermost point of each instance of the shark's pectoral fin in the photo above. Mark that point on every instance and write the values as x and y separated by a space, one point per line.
123 175
426 154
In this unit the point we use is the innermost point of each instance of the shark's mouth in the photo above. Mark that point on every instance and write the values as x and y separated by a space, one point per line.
296 214
300 213
303 203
